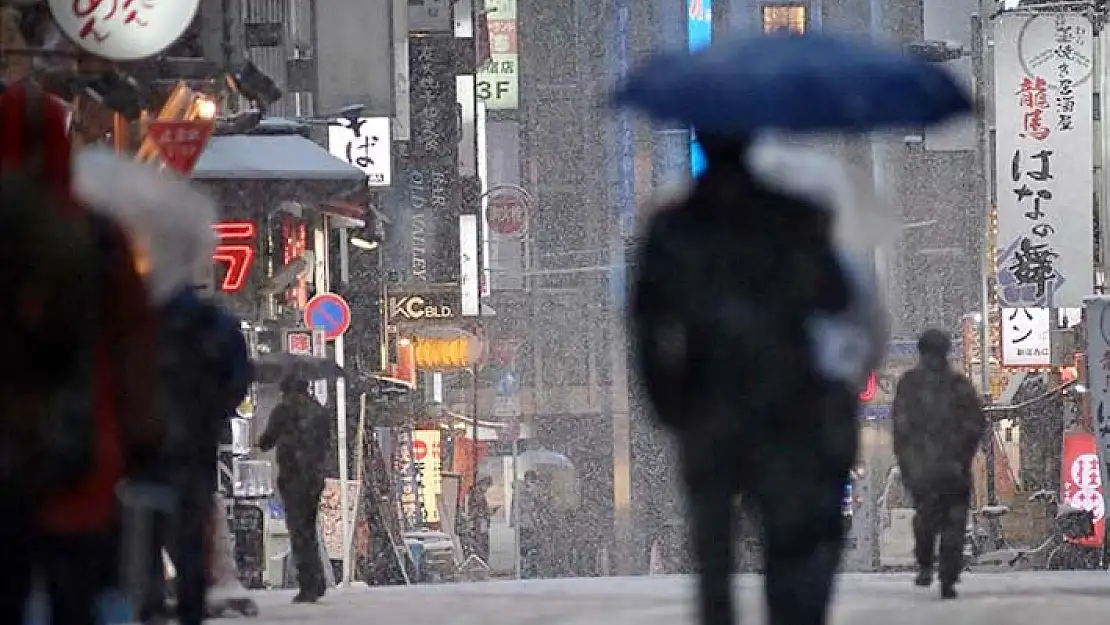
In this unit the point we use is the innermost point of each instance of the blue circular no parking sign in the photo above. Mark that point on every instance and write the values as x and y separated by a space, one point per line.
328 312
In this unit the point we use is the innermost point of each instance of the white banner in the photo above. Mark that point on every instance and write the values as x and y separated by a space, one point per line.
1045 159
364 143
468 265
1026 337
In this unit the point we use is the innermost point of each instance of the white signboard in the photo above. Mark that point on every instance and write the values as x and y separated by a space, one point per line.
468 270
428 454
365 144
1026 337
1097 315
123 30
1045 168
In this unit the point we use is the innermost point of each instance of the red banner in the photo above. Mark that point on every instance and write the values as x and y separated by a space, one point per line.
1082 481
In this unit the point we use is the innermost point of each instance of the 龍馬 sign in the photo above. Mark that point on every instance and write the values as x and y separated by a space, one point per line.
424 306
1045 150
498 83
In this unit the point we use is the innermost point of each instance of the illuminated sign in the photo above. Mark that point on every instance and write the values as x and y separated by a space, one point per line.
236 249
872 389
699 33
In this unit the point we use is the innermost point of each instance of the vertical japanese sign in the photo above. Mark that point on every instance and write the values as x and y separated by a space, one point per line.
1045 151
499 81
1082 481
433 163
1097 316
428 453
364 143
699 33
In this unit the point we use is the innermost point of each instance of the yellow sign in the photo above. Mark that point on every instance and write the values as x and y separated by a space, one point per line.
439 354
428 455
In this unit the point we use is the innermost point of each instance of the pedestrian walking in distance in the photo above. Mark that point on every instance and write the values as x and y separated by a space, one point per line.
300 429
938 425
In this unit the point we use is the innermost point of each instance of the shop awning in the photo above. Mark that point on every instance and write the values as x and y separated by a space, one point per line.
270 157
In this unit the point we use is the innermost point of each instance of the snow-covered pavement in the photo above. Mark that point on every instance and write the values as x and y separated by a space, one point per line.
1074 598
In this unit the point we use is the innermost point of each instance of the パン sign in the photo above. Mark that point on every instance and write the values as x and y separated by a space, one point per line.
236 250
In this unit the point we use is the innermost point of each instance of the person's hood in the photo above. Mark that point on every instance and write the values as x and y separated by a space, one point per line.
32 120
169 220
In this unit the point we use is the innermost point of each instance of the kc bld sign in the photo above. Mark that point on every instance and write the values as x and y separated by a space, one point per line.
424 306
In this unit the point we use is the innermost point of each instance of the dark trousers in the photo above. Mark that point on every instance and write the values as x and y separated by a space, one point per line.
77 569
529 553
15 574
794 479
945 516
302 508
185 535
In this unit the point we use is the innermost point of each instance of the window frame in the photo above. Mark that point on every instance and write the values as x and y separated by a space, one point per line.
787 20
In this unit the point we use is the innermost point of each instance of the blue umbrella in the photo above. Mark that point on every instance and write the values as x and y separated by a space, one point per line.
798 83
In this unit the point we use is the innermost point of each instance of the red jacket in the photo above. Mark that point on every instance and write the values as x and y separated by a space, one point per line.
125 383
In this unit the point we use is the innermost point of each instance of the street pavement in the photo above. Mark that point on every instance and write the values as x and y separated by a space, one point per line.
1023 598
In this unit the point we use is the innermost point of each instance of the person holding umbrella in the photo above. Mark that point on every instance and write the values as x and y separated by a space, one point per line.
300 429
202 356
753 327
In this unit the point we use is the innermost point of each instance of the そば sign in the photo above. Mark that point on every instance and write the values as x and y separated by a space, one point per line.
1045 151
364 143
123 30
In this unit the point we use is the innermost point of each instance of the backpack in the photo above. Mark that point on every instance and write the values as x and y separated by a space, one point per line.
51 274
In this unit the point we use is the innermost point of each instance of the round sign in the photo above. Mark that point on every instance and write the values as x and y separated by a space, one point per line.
419 450
124 31
506 212
328 312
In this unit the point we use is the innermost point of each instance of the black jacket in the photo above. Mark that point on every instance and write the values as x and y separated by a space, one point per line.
938 425
724 284
300 429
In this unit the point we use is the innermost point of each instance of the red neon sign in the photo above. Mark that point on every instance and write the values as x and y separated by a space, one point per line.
872 389
238 255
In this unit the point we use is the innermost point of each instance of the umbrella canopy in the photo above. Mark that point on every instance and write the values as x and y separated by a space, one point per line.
273 368
537 458
168 218
803 83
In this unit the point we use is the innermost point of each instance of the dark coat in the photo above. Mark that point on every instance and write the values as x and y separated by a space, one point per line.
300 429
724 284
938 425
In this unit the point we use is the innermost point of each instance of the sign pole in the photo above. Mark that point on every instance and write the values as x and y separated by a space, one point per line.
341 419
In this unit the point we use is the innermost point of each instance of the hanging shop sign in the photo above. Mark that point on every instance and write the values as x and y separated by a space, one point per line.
181 142
365 144
498 83
236 250
1082 481
124 30
424 306
427 451
1045 149
433 353
1026 337
1097 315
